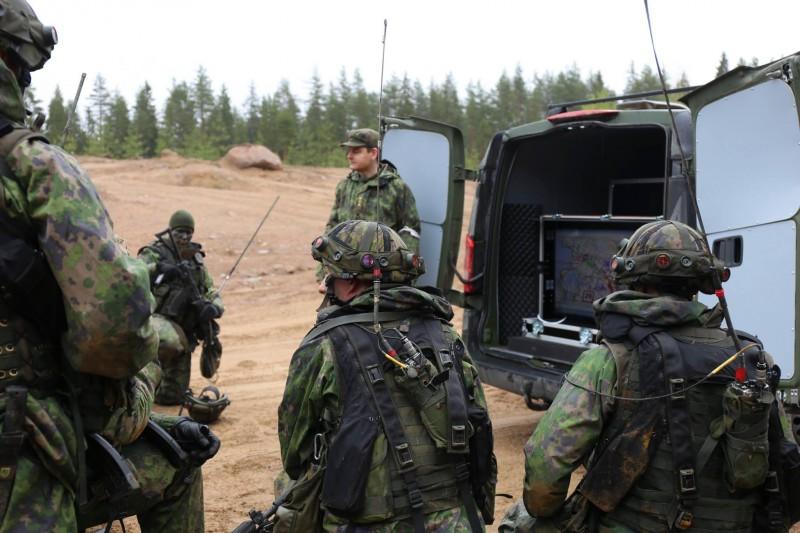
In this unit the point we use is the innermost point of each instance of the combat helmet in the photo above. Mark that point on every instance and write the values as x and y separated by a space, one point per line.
207 406
22 33
357 249
669 255
181 219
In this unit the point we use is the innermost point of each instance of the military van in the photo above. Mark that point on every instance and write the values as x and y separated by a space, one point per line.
554 198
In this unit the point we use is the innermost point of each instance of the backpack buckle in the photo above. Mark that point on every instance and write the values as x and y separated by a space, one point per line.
404 456
687 480
375 374
676 389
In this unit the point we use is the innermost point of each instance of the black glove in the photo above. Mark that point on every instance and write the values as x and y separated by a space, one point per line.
168 271
208 311
196 439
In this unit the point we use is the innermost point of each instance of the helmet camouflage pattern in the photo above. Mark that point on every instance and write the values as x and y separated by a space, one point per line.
357 249
22 33
181 219
670 255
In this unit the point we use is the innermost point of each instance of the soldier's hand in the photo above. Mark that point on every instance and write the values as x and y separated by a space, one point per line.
209 311
168 271
196 439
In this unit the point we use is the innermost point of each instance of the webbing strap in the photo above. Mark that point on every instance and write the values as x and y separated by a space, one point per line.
11 440
372 370
679 425
357 318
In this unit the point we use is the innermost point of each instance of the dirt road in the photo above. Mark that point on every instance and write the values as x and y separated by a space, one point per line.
269 304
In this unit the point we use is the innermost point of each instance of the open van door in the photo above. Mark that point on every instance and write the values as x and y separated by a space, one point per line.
747 179
429 156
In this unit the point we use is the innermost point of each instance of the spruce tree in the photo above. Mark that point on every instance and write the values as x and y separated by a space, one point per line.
56 117
117 128
179 118
722 66
145 122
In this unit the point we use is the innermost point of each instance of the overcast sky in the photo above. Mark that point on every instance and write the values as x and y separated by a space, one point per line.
262 41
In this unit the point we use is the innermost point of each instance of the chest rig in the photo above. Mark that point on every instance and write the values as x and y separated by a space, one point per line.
414 425
656 467
175 297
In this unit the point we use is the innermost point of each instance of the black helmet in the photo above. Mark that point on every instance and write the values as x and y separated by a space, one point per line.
206 407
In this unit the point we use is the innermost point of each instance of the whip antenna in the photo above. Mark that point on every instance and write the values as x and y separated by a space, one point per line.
380 124
718 290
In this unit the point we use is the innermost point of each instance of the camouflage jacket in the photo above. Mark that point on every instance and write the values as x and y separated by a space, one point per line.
106 298
568 432
312 400
356 197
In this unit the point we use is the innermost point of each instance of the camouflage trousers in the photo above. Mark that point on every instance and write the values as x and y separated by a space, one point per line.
448 521
175 356
40 502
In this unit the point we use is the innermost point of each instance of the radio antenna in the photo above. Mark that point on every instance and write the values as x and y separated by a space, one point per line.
719 292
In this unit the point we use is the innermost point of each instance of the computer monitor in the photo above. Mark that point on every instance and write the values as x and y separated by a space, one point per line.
576 265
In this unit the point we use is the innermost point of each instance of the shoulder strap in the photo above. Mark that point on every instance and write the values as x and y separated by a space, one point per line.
372 371
357 318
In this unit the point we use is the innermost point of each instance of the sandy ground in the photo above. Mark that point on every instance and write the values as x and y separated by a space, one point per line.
270 305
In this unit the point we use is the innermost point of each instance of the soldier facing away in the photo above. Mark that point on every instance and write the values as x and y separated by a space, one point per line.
78 347
187 306
694 455
357 194
393 416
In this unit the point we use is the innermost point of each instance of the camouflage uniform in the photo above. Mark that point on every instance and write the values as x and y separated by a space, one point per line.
106 353
314 397
177 331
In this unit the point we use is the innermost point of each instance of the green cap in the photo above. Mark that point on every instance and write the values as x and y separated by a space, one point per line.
361 137
181 219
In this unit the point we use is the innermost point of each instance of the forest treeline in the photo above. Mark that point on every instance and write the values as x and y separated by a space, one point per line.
198 121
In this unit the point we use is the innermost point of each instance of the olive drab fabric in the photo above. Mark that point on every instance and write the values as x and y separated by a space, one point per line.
669 254
355 248
357 196
631 483
317 402
361 137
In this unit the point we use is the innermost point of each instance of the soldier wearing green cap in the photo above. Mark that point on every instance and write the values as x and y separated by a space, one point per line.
357 195
187 306
78 360
390 402
675 459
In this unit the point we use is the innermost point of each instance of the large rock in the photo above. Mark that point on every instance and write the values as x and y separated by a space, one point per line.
252 156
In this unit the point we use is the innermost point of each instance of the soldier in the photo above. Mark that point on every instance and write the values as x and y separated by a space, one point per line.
78 348
356 390
187 306
357 194
676 460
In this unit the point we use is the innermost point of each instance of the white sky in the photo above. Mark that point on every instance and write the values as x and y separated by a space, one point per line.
263 41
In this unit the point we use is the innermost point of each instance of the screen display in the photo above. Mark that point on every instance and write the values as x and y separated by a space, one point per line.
582 271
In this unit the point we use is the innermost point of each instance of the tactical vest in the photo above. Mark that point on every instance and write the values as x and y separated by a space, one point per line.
644 472
174 298
416 435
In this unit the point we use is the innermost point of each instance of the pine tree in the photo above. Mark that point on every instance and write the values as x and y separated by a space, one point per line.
645 80
145 122
478 124
100 101
267 125
117 129
722 66
179 118
364 104
313 139
56 117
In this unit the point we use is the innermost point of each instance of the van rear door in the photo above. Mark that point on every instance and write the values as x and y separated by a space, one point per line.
429 156
747 179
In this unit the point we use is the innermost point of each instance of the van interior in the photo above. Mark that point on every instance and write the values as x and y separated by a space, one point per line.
571 194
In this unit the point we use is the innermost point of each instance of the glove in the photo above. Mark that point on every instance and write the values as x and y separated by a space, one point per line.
208 311
167 271
195 439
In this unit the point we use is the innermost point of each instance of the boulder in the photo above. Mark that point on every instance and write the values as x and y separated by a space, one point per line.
252 156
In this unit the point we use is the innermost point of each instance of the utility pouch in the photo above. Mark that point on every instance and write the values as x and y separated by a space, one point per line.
348 465
482 462
301 511
745 445
430 402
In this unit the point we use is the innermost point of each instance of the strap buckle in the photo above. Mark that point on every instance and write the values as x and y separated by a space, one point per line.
687 481
459 436
375 374
404 457
684 519
676 389
771 483
415 498
446 359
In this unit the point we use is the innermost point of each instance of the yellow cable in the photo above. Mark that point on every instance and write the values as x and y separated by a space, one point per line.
395 361
731 359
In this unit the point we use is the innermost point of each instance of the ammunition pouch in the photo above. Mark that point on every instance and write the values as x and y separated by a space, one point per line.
300 512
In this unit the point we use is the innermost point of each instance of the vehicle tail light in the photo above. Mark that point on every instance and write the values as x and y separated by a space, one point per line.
469 264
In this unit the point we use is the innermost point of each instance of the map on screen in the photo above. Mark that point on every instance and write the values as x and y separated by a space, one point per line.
582 271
